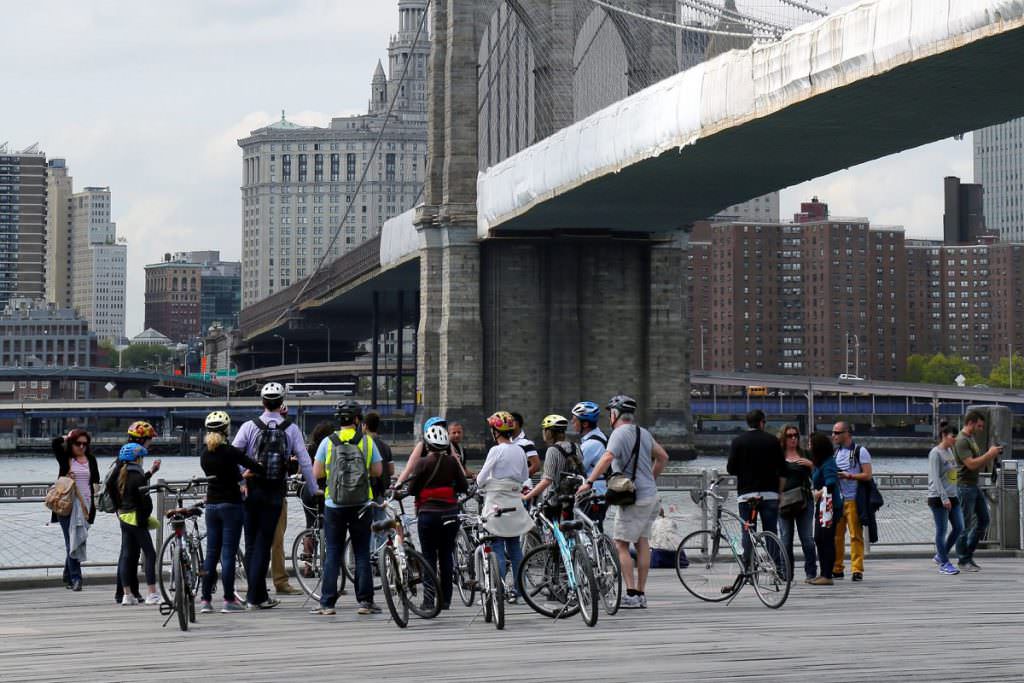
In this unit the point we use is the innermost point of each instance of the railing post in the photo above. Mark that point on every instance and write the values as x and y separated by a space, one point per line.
161 510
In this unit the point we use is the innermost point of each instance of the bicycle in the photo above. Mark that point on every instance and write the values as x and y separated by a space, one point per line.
603 555
487 576
194 537
466 540
562 571
183 573
348 561
308 551
409 583
710 562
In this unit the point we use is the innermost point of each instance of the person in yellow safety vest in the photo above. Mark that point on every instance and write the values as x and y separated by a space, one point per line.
343 509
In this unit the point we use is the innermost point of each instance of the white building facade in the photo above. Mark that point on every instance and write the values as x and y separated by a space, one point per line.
299 181
999 167
99 264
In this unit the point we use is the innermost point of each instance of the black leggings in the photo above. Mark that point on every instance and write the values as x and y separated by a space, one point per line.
437 539
136 540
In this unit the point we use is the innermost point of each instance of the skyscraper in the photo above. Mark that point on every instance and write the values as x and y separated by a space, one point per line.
999 168
58 233
98 264
22 224
299 180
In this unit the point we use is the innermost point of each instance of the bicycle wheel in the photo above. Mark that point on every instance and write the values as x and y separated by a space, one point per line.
348 565
483 569
543 583
463 578
177 569
165 566
420 588
770 569
392 584
586 585
531 539
308 562
608 573
241 577
708 567
497 593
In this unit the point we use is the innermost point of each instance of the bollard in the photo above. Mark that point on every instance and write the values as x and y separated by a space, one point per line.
1011 512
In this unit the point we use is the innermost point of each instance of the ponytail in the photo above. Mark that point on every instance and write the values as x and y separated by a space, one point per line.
214 440
122 479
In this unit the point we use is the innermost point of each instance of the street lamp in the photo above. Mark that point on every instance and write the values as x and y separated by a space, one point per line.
328 328
296 362
282 346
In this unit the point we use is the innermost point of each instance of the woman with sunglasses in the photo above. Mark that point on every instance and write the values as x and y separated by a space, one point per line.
75 459
801 514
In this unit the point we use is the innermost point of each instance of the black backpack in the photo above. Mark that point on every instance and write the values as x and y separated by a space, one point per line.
107 500
272 449
573 465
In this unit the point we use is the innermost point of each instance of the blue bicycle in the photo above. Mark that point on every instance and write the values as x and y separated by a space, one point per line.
557 579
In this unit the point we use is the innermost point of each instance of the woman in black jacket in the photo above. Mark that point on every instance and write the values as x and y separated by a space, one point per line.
75 459
224 510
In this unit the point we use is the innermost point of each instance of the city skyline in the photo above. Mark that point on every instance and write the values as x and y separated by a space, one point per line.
155 115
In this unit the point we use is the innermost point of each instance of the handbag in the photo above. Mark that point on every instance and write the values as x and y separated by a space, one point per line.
622 489
61 496
793 501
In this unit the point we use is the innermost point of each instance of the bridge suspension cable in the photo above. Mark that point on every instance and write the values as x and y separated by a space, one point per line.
689 28
366 170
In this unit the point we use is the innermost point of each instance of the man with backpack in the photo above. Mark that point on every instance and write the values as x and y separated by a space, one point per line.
271 440
348 459
561 459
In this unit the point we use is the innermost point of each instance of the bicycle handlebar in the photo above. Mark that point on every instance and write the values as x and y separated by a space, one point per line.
196 481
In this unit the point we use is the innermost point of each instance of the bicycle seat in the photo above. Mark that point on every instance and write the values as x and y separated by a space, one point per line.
571 525
184 512
384 525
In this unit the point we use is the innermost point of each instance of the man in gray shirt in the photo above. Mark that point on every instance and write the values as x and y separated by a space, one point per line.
632 523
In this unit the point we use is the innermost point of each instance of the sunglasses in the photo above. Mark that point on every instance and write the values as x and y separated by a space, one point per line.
792 435
83 444
841 431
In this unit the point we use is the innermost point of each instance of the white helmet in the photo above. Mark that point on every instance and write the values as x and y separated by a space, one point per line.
272 391
436 438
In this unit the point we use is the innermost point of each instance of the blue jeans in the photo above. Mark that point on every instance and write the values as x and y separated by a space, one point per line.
262 511
514 549
72 567
804 525
955 517
976 520
135 540
767 515
340 523
223 533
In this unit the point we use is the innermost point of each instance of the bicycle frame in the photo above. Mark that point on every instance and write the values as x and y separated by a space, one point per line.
565 547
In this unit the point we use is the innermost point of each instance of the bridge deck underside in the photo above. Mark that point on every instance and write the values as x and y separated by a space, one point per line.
932 98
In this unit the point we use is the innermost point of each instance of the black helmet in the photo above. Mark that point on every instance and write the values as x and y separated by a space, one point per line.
346 411
622 403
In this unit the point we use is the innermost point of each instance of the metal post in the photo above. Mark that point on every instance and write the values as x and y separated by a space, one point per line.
161 509
856 366
701 347
328 343
846 358
282 347
401 351
375 349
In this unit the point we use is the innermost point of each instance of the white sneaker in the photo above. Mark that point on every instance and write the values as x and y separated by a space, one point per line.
129 600
631 602
154 599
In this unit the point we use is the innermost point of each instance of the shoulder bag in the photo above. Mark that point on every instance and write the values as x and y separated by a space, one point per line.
622 489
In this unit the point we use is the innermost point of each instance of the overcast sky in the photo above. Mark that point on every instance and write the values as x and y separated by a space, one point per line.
150 99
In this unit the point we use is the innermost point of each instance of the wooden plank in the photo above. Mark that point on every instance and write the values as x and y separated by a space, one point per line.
904 620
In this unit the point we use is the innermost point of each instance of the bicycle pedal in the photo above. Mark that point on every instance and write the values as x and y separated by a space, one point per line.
166 609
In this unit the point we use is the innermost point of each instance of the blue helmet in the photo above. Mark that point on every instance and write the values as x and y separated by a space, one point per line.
587 410
431 421
130 452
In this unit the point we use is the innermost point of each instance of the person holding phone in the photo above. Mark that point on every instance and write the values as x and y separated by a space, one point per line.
943 499
971 461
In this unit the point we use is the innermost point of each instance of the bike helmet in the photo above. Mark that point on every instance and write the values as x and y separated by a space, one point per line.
502 422
587 410
431 421
272 391
436 438
556 422
218 421
346 411
130 452
622 404
142 430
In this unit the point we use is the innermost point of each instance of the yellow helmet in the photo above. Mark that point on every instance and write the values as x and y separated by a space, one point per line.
556 422
502 422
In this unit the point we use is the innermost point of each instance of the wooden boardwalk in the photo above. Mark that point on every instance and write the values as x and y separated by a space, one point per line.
904 622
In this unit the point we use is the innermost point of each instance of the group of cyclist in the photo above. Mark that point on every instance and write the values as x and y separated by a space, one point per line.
248 478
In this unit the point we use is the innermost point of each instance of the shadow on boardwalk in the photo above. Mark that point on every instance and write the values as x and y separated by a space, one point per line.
904 620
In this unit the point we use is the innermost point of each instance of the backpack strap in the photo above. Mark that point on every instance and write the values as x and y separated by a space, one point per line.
594 436
260 424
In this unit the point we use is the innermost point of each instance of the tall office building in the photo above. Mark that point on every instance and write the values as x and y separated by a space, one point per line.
189 291
299 180
59 256
22 224
98 264
999 168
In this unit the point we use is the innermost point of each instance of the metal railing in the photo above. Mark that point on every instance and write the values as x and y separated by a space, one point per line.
30 544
